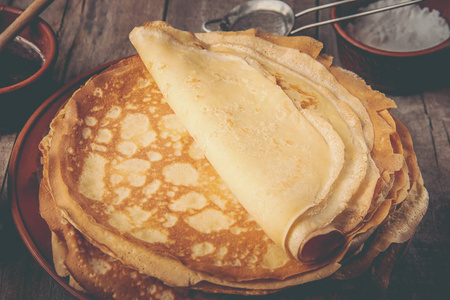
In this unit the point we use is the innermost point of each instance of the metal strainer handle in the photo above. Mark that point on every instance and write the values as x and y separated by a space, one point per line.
345 17
288 11
207 23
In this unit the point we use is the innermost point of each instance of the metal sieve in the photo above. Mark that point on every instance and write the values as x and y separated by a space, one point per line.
274 16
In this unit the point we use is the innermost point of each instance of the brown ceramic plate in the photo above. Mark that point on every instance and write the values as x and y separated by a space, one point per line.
24 175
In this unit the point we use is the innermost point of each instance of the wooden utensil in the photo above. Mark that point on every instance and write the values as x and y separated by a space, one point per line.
22 21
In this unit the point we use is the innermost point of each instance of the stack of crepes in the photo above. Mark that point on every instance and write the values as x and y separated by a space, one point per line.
238 163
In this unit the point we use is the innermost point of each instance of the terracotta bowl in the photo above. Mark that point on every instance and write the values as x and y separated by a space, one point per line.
394 72
24 95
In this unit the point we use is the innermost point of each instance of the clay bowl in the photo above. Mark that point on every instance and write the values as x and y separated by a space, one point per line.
395 72
23 95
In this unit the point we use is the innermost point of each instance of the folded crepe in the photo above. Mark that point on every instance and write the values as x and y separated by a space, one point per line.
244 163
289 141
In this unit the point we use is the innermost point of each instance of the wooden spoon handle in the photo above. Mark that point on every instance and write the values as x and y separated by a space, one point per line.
24 18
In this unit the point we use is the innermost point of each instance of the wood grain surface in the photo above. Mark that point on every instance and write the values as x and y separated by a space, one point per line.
92 32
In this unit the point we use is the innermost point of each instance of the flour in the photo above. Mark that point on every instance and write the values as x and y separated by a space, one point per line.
408 28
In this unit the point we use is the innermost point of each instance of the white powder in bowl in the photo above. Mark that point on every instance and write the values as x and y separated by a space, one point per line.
408 28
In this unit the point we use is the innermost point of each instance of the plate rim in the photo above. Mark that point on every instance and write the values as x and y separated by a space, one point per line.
16 153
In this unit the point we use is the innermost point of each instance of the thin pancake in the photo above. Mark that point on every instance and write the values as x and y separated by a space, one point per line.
98 273
202 246
333 104
157 43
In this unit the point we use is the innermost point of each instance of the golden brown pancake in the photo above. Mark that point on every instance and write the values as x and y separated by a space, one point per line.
183 198
125 172
93 270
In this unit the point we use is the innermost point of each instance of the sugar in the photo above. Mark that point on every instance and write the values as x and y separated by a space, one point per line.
404 29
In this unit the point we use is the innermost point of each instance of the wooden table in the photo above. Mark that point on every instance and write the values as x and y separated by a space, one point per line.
92 32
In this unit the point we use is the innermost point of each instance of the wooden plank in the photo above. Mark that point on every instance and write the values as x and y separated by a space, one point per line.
6 145
300 5
20 275
190 15
7 228
411 112
22 278
326 33
95 32
420 275
437 105
53 14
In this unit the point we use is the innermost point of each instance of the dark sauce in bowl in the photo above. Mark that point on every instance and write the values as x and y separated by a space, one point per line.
19 60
